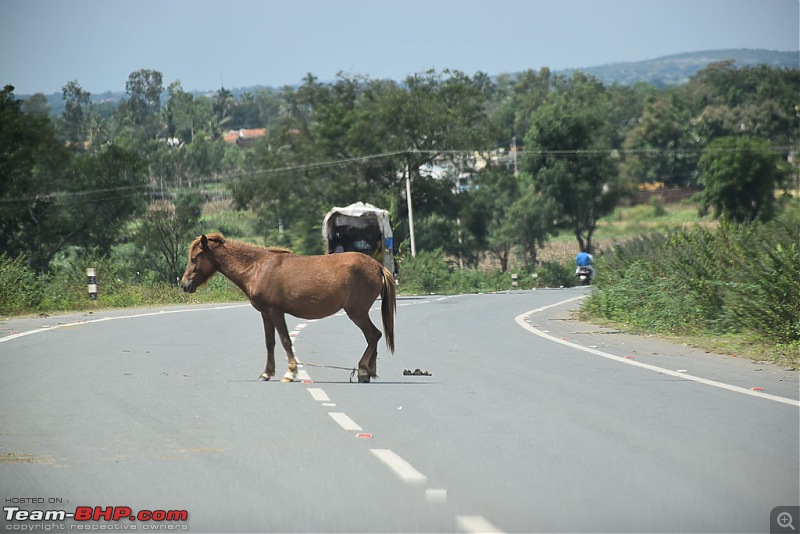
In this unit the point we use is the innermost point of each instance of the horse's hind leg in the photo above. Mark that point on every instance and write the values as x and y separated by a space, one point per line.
368 364
269 335
286 341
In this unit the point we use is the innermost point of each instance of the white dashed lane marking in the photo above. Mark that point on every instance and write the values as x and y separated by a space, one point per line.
435 495
344 421
475 524
401 468
319 395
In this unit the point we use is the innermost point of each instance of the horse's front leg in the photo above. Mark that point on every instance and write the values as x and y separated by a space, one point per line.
283 332
269 335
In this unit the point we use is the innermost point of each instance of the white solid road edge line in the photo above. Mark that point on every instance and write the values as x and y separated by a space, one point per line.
401 468
475 524
520 320
104 319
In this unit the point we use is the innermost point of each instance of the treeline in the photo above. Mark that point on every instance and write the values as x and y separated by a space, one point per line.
497 165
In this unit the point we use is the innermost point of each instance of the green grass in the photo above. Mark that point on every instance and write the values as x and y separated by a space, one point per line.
626 223
219 216
740 345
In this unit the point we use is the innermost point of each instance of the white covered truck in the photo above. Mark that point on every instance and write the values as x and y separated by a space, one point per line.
360 227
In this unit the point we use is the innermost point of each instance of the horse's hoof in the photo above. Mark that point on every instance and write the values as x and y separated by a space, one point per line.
264 377
363 378
289 377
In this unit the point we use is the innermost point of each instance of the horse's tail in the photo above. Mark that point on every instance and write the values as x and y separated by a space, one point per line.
388 306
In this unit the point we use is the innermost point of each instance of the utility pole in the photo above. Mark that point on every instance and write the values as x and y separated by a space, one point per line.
514 149
408 200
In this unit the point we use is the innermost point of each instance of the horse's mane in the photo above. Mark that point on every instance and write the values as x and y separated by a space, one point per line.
219 238
215 236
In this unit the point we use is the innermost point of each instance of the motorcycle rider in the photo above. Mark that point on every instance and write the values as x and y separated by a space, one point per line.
584 259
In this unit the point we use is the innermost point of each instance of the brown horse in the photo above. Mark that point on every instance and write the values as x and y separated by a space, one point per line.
310 287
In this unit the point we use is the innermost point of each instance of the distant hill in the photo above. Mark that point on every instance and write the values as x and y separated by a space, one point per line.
677 69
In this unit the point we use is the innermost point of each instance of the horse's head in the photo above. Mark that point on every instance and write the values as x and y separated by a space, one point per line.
202 264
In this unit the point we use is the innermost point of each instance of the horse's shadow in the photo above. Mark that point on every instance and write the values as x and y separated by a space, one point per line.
374 382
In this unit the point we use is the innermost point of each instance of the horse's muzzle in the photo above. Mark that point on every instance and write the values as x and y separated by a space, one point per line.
188 286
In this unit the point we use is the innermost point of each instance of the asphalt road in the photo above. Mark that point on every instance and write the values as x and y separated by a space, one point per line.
527 423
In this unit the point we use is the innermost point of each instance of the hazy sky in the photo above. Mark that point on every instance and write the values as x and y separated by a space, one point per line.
207 43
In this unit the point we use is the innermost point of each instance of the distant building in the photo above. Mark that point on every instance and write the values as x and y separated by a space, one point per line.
244 136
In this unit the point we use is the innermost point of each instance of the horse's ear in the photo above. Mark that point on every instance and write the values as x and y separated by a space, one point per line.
203 242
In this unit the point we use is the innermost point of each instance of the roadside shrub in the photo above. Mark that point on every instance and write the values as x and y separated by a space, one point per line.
427 272
646 298
555 274
64 288
737 278
766 295
658 207
20 288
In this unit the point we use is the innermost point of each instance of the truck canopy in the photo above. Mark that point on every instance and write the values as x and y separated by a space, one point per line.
359 227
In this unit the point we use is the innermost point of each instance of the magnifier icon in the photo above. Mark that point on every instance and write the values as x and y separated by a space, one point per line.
785 520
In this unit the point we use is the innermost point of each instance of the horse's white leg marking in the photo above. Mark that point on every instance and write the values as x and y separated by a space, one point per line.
290 376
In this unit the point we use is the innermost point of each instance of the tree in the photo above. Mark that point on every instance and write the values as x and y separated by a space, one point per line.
269 108
32 164
223 107
421 122
37 105
521 97
664 146
141 111
74 122
740 175
487 214
179 113
757 101
53 197
570 166
164 234
435 117
531 221
246 113
103 191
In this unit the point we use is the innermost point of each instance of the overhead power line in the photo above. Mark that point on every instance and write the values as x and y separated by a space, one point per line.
359 159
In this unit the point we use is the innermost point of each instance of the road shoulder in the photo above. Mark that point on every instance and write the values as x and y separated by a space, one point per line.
562 322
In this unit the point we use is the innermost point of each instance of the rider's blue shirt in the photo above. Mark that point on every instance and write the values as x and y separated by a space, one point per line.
583 259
